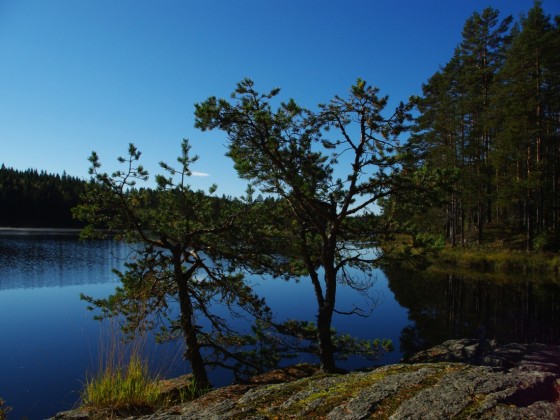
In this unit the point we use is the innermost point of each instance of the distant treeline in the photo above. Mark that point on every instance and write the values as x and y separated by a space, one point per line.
38 199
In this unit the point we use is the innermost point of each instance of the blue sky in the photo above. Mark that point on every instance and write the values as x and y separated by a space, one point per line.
83 75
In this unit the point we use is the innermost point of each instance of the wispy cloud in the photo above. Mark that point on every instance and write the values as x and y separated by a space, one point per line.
194 173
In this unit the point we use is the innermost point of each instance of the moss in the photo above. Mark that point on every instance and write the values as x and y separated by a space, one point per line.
319 397
392 403
473 408
325 400
350 388
274 395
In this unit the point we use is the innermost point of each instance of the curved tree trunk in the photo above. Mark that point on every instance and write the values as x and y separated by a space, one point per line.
192 353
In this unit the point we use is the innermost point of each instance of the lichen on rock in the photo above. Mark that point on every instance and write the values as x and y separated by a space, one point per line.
458 379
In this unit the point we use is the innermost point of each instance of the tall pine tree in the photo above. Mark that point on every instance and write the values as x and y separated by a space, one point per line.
454 128
527 108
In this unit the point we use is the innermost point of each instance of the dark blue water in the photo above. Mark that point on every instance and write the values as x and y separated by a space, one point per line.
47 338
49 342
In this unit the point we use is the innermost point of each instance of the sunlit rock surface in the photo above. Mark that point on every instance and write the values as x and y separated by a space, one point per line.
459 379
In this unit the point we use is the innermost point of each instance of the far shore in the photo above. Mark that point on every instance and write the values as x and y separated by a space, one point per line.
39 231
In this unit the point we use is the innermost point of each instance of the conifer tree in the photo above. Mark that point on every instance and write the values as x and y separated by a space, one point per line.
495 107
454 128
328 166
181 244
527 107
481 54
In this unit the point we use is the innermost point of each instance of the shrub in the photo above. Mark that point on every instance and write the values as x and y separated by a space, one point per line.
547 241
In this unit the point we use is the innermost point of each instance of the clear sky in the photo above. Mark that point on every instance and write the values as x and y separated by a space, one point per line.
83 75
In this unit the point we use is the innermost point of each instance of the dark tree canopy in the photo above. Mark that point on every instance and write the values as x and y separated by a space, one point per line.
327 165
181 240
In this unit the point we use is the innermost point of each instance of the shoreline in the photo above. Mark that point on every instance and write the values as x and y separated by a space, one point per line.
4 231
498 261
457 379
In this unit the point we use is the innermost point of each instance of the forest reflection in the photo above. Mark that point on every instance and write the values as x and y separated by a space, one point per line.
444 306
38 259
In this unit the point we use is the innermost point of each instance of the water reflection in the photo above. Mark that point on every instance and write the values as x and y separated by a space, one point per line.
445 306
43 260
49 342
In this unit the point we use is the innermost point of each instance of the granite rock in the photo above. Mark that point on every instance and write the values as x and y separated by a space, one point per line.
458 379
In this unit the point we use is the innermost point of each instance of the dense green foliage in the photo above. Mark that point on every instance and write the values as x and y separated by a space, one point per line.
492 114
38 199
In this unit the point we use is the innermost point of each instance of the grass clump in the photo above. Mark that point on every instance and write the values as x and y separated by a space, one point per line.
129 388
123 387
4 410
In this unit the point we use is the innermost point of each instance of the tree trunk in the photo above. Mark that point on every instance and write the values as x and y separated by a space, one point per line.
326 346
452 231
480 221
529 232
192 353
462 226
326 309
529 203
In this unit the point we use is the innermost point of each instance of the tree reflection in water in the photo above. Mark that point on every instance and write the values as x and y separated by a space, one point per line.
443 306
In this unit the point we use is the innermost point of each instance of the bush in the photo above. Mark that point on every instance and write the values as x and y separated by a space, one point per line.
429 240
547 241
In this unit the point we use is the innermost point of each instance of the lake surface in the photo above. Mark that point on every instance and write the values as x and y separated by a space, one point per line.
49 342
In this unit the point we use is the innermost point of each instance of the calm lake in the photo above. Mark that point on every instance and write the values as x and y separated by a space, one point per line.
49 342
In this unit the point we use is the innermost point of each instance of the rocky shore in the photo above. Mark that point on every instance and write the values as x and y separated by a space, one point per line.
458 379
